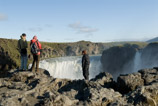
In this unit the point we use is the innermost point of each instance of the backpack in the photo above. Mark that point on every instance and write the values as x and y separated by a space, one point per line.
34 48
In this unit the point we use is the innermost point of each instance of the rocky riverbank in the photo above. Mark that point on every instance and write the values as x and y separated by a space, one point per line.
40 89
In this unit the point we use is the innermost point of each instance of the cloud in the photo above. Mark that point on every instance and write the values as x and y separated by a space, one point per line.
37 29
82 29
3 17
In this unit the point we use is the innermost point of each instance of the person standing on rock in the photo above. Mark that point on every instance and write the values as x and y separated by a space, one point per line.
22 47
85 64
35 50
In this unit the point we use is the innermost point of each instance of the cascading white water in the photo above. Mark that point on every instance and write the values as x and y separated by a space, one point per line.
70 67
137 61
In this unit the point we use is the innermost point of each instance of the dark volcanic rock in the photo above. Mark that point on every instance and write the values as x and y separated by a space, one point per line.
105 79
25 88
129 82
144 96
149 75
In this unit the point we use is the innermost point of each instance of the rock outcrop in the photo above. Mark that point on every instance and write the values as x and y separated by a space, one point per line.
130 82
116 60
25 88
149 55
144 95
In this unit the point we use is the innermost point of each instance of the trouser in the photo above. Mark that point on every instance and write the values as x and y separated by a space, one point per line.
86 72
36 59
23 61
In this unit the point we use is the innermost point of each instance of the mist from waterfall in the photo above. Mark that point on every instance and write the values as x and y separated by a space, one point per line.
137 61
70 67
144 62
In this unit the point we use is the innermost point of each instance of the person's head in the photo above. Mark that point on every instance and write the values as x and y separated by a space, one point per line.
84 52
35 37
23 36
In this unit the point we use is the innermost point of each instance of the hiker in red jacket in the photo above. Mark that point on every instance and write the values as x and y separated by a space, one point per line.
35 50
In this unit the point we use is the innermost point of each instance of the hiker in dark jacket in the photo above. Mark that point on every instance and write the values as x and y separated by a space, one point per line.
36 54
85 64
22 47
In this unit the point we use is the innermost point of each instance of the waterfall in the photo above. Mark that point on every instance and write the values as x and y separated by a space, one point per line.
137 61
70 67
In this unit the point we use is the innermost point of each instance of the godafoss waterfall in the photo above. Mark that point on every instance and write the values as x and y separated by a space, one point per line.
70 67
116 61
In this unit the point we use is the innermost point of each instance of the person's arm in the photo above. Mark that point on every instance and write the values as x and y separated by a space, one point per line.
30 43
26 44
87 59
83 61
39 45
19 47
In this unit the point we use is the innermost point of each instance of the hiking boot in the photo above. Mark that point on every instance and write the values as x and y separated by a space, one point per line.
20 69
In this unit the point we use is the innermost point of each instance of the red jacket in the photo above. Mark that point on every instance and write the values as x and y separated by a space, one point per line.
39 44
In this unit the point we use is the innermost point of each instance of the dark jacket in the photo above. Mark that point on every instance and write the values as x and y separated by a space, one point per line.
22 46
85 61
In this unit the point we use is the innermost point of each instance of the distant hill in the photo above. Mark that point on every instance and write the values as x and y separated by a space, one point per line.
153 40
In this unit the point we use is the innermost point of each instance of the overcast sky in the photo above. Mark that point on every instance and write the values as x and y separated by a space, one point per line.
75 20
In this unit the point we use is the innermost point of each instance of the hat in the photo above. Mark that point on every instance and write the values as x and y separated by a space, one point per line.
23 34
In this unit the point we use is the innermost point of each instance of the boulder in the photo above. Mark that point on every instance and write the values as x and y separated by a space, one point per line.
144 96
129 82
149 75
104 79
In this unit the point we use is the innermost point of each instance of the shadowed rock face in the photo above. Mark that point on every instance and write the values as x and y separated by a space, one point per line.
150 55
116 58
40 89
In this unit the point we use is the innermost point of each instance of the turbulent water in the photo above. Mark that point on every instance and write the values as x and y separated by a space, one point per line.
70 67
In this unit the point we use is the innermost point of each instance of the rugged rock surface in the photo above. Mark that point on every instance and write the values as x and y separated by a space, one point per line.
145 95
105 80
130 82
40 89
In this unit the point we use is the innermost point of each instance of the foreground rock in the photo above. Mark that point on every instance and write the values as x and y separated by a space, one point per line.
130 82
145 95
40 89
